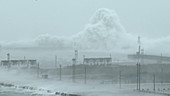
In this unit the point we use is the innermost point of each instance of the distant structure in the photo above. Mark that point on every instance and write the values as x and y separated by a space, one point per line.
155 58
98 61
139 46
74 65
141 57
8 59
18 63
21 63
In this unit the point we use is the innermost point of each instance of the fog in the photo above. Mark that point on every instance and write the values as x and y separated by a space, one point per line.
103 34
102 58
103 31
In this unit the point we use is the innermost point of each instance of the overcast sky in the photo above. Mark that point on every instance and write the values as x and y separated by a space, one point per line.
27 19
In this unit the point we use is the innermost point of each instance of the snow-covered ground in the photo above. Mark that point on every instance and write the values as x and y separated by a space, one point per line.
49 86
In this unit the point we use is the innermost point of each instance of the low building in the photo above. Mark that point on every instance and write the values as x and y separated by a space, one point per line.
97 61
19 63
150 58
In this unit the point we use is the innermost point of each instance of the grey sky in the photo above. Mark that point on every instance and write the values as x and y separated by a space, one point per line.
27 19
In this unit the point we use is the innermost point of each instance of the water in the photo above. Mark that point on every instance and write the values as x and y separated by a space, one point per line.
5 91
9 92
13 94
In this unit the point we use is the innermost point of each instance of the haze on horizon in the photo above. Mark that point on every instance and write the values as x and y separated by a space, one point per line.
64 24
26 20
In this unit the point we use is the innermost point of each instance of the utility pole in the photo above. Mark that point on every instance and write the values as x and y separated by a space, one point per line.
120 77
85 70
112 75
8 59
153 82
162 75
0 50
38 69
139 45
74 64
55 61
162 71
85 74
73 67
76 57
138 64
60 71
137 77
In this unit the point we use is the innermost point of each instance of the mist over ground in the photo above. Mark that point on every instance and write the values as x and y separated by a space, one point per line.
103 32
106 42
104 35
